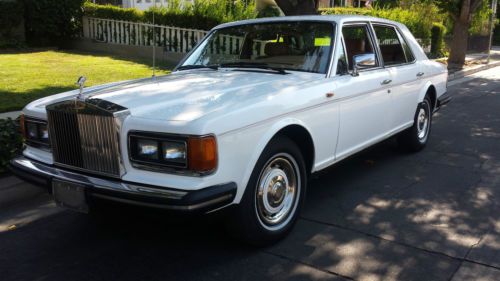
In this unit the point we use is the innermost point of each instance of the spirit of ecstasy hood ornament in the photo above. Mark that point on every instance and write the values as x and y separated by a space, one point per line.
81 82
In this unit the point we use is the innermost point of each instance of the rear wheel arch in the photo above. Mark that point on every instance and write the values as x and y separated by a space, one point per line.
432 93
428 90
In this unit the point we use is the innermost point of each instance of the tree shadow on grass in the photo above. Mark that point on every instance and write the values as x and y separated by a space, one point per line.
11 101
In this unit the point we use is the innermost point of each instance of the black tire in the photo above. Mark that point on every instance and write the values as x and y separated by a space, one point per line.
415 138
250 221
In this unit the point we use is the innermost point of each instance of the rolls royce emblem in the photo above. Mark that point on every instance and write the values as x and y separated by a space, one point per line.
81 83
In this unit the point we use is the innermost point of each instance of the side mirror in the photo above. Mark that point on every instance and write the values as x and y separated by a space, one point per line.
363 61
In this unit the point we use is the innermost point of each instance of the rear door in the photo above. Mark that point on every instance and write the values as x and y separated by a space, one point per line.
364 99
405 74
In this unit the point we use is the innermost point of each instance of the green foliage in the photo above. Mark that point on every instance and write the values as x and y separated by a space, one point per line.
10 20
438 32
112 12
10 141
48 21
201 14
419 18
480 17
481 20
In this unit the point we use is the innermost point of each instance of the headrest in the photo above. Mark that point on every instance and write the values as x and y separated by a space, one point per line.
277 49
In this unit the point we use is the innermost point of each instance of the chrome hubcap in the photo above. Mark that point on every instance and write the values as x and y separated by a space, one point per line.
422 123
277 191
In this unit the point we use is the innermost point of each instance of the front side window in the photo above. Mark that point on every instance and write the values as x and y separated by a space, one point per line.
357 42
342 66
299 46
390 45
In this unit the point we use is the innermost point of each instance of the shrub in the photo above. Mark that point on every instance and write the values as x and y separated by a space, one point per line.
419 18
112 12
10 20
438 32
48 21
10 141
201 14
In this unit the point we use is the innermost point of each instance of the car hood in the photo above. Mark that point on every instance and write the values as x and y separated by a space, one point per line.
189 95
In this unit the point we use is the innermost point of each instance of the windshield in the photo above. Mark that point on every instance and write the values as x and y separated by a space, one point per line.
300 46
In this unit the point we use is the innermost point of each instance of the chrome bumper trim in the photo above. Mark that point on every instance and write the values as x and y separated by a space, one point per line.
50 171
126 192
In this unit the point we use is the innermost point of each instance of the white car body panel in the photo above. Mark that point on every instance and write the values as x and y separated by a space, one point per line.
245 110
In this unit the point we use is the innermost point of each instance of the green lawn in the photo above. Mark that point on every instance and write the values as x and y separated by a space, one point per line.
26 76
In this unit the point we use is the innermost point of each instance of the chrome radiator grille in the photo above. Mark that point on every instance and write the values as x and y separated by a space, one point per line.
84 137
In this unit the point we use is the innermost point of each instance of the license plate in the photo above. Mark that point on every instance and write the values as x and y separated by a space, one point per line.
70 195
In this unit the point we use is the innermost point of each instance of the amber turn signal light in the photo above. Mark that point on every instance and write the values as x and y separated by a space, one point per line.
202 154
21 126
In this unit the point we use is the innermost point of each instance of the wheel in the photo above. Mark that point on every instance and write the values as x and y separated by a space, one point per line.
416 137
273 196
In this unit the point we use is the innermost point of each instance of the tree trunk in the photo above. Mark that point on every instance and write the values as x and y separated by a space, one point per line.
298 7
458 47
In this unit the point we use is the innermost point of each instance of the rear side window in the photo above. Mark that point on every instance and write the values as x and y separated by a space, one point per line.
408 52
390 45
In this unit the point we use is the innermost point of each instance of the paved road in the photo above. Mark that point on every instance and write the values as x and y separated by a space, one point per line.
381 215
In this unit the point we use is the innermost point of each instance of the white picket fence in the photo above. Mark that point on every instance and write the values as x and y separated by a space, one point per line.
173 39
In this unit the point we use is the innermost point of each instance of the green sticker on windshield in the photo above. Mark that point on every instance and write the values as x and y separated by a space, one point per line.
325 41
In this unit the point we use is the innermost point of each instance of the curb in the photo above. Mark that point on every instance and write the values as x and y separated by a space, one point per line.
467 72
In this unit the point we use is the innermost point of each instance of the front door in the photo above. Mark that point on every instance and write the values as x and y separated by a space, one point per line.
364 99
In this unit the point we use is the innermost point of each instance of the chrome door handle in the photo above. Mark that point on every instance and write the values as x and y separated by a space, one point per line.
386 81
420 74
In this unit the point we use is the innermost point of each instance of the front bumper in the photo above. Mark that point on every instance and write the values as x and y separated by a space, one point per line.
203 200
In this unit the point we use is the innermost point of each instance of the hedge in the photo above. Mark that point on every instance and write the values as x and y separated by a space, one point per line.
50 22
438 32
10 141
201 14
10 20
419 18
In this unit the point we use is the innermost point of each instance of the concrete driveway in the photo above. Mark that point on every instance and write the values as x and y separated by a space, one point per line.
381 215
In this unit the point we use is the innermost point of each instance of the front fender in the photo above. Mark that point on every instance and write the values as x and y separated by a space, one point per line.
258 137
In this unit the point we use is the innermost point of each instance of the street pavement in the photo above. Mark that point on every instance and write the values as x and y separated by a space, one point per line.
381 215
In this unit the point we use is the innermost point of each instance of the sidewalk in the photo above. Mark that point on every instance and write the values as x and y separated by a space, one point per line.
477 62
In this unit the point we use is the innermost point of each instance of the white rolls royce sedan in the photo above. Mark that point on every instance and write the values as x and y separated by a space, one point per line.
242 122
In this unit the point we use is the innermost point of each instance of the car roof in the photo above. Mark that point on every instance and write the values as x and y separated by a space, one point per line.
339 19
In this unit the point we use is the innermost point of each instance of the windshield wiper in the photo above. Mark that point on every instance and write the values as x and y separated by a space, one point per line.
254 65
197 66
